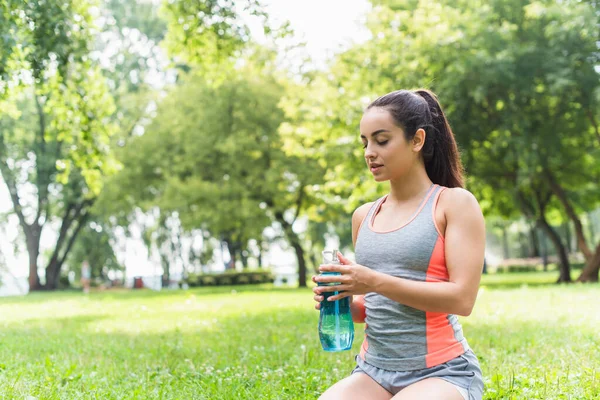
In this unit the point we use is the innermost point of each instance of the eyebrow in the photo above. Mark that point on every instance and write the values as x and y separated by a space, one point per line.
377 132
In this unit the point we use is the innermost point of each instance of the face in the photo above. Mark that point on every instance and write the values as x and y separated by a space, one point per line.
388 154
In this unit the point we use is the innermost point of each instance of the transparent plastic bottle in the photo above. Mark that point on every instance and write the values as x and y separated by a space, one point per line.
336 329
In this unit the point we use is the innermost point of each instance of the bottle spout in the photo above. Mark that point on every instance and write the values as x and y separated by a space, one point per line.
330 256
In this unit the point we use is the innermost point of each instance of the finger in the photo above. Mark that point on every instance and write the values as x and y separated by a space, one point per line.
318 298
343 269
343 259
318 306
329 267
336 288
338 297
333 279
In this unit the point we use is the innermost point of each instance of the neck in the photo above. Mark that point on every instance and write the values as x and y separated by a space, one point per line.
413 185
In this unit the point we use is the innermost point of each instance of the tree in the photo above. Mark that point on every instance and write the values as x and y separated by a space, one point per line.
518 82
213 154
94 245
54 137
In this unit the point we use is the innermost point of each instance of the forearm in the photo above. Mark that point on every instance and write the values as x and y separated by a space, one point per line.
442 297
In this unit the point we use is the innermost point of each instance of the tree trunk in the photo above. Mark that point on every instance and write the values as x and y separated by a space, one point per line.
505 243
57 260
562 196
590 271
33 249
315 263
294 240
530 210
544 253
259 259
232 252
166 265
591 226
567 232
523 245
535 248
244 258
564 267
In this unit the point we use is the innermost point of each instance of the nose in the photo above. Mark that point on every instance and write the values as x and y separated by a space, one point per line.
369 153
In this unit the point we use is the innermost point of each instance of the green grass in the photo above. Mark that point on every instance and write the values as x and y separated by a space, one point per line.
522 279
534 341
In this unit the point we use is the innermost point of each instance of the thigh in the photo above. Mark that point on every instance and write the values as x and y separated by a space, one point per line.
430 388
357 386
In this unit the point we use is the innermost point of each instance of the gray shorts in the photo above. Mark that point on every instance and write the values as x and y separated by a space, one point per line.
463 372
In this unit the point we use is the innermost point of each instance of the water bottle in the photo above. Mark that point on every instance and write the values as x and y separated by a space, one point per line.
336 329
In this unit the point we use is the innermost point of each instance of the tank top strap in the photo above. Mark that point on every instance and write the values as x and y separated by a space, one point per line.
364 223
374 207
428 209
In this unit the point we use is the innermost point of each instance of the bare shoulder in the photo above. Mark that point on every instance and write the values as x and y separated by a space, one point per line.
457 206
357 218
457 199
360 213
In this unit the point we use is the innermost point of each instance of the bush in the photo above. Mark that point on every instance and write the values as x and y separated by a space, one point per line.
208 280
230 278
224 280
63 282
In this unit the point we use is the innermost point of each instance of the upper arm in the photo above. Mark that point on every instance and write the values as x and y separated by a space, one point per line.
357 218
464 240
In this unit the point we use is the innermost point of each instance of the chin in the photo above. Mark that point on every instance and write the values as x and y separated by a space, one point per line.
380 178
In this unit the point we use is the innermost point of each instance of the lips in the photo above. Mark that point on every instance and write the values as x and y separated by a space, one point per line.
375 167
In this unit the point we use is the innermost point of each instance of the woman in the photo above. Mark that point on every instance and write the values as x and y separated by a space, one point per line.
419 256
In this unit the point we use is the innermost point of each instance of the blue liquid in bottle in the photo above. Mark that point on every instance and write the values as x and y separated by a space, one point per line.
336 329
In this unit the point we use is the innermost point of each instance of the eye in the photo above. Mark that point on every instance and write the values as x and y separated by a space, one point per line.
364 145
383 143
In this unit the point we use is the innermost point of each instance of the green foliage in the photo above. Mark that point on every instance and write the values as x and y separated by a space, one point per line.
143 16
213 154
230 278
518 80
205 156
94 244
205 32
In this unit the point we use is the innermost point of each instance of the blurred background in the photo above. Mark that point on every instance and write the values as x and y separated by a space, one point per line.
172 141
214 144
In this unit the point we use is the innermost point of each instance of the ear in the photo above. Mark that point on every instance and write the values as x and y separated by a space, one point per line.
418 141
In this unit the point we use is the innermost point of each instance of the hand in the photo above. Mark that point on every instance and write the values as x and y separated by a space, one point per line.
354 279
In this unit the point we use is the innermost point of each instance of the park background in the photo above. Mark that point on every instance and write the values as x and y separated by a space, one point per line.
205 152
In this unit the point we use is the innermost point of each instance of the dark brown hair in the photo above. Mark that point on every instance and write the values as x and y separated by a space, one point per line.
420 108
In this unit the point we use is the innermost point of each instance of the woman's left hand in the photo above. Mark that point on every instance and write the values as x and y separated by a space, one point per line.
354 279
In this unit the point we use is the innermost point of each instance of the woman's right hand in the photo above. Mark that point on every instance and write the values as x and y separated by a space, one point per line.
317 297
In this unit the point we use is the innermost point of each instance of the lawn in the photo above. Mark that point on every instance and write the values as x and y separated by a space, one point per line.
534 341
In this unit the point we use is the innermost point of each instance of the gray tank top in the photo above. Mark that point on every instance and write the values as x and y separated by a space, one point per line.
399 337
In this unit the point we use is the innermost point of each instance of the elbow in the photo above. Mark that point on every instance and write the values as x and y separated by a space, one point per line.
464 312
465 308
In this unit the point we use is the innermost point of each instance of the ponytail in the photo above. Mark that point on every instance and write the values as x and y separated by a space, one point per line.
420 109
442 159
